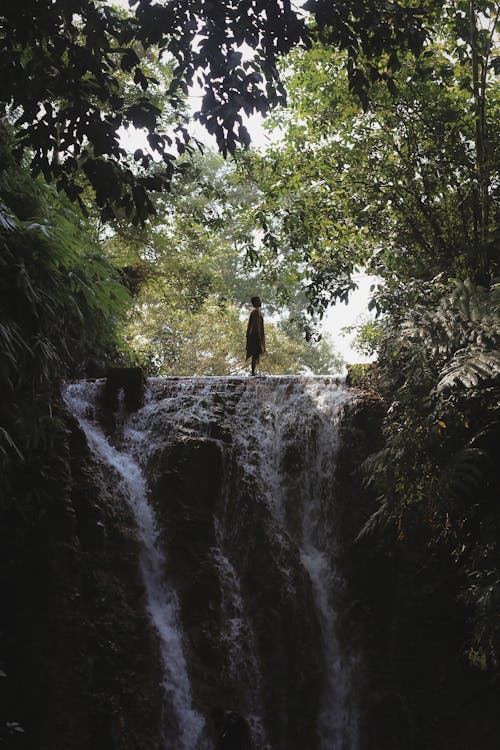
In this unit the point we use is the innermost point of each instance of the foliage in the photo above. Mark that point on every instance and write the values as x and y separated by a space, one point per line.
394 189
369 333
371 31
60 302
440 369
61 65
191 281
357 374
211 341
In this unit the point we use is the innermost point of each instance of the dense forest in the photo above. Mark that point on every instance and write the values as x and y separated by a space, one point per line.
384 155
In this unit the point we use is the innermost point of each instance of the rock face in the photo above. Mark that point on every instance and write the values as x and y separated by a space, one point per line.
130 380
231 484
189 577
253 583
77 646
241 483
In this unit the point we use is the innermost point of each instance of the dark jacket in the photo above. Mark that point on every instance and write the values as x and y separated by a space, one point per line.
256 341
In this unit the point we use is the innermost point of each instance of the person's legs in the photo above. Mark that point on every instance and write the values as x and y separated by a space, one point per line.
255 359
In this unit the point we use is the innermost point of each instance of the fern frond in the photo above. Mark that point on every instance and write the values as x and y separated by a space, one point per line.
465 472
469 367
381 517
10 444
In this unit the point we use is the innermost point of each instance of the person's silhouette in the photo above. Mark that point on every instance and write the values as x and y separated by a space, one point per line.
256 341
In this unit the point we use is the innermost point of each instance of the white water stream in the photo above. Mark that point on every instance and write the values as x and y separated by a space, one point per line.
269 420
162 601
308 415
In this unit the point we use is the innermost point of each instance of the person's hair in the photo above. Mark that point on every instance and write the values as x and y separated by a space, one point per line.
255 301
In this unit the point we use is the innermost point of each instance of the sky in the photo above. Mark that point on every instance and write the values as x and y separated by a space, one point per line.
355 312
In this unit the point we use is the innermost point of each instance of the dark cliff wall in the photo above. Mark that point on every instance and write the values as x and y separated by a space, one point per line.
76 645
82 666
417 688
189 491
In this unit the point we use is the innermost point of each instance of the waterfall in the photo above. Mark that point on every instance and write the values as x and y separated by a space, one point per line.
292 422
262 537
162 602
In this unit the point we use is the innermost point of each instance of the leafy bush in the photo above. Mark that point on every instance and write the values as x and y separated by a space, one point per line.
59 301
440 372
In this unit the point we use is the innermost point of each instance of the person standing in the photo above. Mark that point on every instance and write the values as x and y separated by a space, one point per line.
256 341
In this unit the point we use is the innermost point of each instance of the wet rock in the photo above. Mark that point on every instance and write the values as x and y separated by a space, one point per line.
80 653
196 486
232 731
185 493
281 610
131 380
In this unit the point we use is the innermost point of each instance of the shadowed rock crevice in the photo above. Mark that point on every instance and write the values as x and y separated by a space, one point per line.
131 381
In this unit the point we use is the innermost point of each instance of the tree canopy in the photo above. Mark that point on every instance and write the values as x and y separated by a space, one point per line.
62 63
395 188
191 280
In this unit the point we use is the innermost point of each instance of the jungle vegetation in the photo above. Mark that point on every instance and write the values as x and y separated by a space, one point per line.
405 184
388 159
399 187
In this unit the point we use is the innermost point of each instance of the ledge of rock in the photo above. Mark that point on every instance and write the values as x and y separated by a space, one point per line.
131 380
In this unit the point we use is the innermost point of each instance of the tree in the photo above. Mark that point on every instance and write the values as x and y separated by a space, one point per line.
61 301
394 189
479 39
191 282
61 64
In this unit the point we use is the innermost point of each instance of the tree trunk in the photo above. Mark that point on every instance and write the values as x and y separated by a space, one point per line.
481 142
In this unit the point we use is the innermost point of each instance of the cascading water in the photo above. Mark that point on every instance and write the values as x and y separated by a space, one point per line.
308 416
162 601
263 539
337 717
